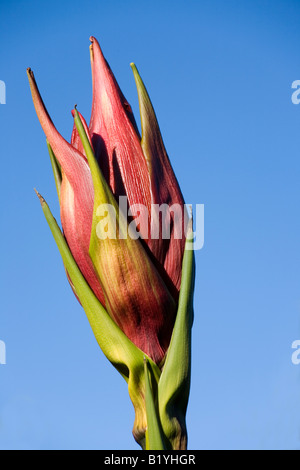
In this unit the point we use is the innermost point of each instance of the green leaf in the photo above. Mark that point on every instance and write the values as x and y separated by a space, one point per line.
151 141
174 384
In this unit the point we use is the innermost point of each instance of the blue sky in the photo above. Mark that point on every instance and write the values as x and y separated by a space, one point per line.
219 75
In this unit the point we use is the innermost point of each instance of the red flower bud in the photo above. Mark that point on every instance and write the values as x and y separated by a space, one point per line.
138 281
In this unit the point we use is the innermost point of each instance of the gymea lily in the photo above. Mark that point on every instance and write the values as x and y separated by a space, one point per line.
136 290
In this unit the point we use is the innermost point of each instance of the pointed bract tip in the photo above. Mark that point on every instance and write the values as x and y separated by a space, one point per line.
75 111
136 75
42 200
134 69
31 79
95 49
92 41
30 73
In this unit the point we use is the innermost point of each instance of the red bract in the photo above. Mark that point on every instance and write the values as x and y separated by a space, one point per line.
138 281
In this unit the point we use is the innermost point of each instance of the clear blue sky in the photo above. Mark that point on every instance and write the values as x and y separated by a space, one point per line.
219 75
